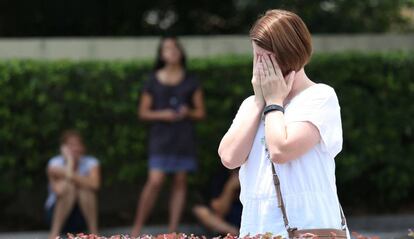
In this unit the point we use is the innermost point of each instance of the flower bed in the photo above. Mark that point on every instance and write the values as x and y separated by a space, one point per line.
170 236
228 236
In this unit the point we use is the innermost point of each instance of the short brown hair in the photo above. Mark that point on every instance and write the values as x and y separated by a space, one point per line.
286 35
69 134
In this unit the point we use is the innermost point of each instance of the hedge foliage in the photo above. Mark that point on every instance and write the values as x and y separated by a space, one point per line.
39 99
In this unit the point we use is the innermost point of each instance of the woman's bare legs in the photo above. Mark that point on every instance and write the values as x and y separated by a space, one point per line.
213 221
66 198
179 190
88 205
146 202
222 204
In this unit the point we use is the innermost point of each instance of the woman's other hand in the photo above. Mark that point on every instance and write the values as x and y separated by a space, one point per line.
183 112
169 115
258 94
66 153
70 161
274 86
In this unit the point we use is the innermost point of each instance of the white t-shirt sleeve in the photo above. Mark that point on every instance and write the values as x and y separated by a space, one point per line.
56 162
321 108
92 162
242 112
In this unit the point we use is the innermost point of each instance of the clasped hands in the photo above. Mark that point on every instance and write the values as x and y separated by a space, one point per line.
269 85
171 115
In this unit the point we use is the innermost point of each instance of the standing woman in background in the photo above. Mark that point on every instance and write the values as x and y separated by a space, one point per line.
171 100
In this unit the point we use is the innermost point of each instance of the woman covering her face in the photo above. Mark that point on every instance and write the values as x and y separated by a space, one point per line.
291 123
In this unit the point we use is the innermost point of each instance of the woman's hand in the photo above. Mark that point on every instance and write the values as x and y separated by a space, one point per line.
274 86
66 153
183 112
70 161
258 95
169 115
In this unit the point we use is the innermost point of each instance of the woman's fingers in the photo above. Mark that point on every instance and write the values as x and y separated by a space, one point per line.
256 73
255 69
255 60
261 71
262 66
259 77
267 65
290 79
270 65
278 71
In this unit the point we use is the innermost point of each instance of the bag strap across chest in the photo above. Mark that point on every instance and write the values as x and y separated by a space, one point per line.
281 204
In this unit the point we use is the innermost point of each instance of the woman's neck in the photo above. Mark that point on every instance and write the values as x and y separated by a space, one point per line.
173 67
301 83
171 74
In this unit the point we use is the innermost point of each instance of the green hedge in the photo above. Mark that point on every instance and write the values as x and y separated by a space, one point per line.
38 99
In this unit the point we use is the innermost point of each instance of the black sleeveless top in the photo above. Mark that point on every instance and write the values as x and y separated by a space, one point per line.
172 138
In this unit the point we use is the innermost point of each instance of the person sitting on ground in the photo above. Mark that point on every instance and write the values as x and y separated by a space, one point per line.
74 180
222 212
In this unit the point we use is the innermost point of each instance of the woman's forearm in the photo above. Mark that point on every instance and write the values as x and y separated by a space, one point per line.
150 115
55 172
153 115
276 135
196 114
288 142
85 182
237 142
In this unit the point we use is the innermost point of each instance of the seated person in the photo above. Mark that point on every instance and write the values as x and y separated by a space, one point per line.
221 212
74 180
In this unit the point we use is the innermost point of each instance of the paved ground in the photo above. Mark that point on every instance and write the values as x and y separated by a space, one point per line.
153 230
386 227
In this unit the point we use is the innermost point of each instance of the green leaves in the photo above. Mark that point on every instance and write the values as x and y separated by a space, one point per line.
39 99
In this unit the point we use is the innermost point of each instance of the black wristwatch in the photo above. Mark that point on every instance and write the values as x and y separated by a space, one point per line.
271 108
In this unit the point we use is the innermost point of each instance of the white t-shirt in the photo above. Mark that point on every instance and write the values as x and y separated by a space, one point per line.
85 165
307 183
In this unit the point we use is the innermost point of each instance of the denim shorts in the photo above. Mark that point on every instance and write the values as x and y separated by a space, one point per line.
172 163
